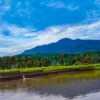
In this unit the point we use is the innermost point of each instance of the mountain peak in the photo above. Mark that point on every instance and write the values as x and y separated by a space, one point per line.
66 45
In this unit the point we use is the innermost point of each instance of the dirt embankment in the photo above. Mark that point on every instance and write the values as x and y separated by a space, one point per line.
20 75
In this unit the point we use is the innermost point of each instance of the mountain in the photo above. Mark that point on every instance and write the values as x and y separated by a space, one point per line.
66 46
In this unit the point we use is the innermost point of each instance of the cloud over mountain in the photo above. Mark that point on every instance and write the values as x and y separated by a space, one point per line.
25 24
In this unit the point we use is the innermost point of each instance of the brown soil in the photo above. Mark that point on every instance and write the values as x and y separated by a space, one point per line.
19 75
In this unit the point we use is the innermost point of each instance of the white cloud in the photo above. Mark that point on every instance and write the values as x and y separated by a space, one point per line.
51 34
92 16
14 30
89 31
4 7
61 5
18 4
72 7
22 12
56 5
97 2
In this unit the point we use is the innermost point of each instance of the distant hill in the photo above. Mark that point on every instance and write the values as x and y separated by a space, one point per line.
66 46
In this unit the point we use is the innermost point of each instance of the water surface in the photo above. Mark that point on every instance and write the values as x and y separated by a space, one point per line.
74 86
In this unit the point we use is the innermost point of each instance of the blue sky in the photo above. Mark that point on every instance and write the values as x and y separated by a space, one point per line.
24 24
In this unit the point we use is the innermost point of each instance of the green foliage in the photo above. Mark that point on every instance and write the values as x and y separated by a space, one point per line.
55 68
40 60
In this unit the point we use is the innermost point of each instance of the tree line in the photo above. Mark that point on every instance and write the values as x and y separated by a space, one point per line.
45 60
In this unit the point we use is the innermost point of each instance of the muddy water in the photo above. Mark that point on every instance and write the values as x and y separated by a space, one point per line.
74 86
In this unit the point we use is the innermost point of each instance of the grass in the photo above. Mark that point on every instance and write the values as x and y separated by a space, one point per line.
55 68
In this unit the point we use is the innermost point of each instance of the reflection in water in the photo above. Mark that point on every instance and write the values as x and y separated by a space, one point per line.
91 96
33 96
81 86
